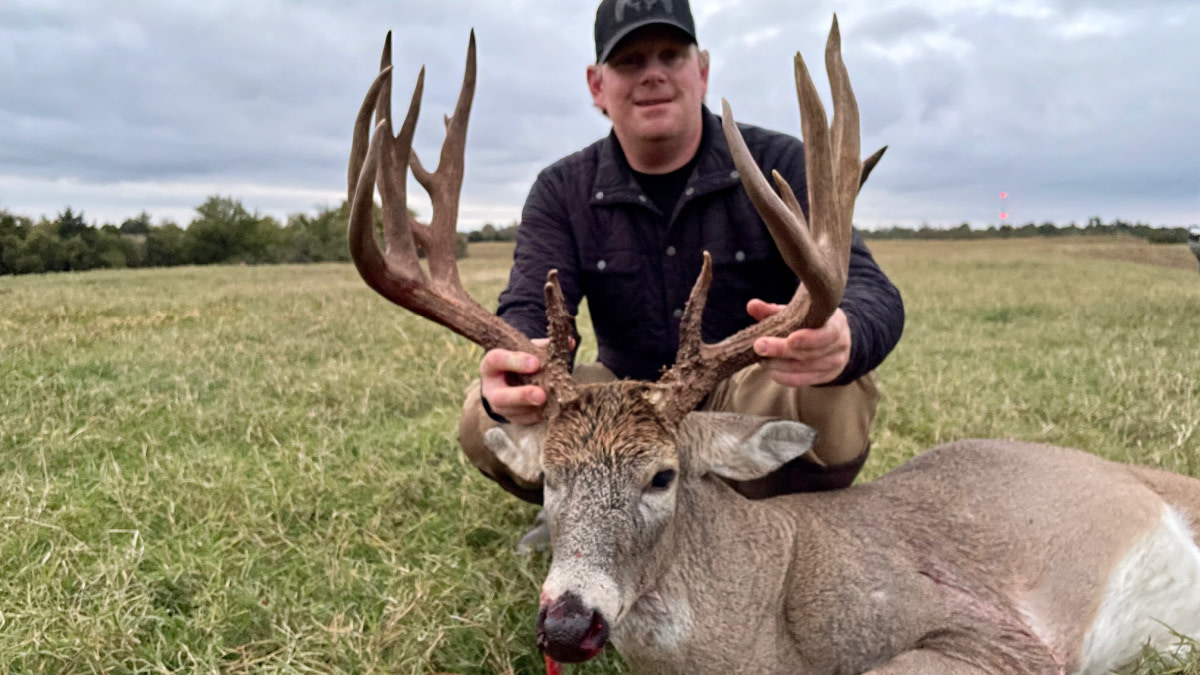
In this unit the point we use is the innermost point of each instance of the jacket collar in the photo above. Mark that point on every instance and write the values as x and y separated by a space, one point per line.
615 184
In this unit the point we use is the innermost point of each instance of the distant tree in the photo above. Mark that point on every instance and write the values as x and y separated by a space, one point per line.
166 246
963 231
13 230
76 254
508 233
139 224
317 239
17 226
71 224
1168 235
224 231
10 249
41 251
112 250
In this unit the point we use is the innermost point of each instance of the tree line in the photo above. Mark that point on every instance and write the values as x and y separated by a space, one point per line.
490 232
1154 235
223 231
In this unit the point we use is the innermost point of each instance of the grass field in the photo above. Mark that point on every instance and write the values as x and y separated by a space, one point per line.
254 469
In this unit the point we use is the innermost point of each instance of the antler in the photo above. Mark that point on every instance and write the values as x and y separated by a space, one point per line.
396 272
819 253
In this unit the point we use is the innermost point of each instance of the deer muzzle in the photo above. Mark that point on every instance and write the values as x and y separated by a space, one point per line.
569 632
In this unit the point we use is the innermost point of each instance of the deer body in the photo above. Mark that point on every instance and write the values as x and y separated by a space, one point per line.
990 554
977 557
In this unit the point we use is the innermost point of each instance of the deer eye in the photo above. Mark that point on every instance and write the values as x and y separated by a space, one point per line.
662 479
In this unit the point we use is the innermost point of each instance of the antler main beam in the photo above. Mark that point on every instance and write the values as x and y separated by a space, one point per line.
817 251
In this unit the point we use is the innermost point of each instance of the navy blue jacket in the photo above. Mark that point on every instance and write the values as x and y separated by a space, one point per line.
587 217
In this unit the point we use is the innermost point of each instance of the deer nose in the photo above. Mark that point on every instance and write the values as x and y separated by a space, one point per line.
568 632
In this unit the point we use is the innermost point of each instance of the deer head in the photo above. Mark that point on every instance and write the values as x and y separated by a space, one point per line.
618 458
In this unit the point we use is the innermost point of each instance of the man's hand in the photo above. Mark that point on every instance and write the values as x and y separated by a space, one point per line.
808 356
520 404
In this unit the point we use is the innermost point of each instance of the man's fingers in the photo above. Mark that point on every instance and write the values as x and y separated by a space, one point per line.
818 364
759 310
803 347
522 403
811 340
808 356
516 397
771 348
801 344
498 361
543 342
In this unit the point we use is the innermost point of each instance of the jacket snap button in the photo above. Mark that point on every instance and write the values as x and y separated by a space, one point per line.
734 174
679 314
599 195
670 250
739 256
601 265
690 191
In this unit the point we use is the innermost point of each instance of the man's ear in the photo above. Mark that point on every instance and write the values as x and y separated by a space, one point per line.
595 82
742 447
519 448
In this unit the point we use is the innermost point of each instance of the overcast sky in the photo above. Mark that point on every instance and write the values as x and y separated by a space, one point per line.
1074 108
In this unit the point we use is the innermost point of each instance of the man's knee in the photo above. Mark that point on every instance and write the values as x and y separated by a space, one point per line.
841 416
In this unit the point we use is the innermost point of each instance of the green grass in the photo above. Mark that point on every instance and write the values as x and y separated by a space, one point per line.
254 469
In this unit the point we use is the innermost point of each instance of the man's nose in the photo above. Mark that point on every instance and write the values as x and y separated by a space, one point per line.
655 70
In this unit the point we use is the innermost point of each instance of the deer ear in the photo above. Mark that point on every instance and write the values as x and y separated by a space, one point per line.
519 448
742 447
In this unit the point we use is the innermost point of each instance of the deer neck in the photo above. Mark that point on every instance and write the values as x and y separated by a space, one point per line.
723 556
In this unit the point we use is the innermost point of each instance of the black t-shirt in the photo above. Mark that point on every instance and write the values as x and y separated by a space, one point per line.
664 189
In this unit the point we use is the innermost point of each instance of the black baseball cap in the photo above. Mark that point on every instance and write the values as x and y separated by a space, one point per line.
616 19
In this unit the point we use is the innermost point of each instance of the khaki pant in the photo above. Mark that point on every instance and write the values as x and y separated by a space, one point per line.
841 416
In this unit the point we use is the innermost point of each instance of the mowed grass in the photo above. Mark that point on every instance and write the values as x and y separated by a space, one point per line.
254 469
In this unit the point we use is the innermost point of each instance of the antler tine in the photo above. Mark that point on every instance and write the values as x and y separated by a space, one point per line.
444 185
826 280
869 163
362 132
557 372
819 254
847 162
383 104
399 235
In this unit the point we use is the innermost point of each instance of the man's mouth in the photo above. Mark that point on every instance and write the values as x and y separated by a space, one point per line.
652 102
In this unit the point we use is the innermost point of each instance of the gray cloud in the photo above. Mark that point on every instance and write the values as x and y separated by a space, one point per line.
1074 107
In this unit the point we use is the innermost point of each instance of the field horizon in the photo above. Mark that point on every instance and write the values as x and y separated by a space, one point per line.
245 469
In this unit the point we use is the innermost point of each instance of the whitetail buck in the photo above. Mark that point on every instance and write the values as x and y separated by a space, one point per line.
976 557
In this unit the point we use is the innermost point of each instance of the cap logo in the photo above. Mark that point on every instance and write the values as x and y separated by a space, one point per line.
640 6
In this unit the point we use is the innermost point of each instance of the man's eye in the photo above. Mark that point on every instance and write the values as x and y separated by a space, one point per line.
671 58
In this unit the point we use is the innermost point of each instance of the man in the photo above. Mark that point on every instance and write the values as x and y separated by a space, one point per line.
625 222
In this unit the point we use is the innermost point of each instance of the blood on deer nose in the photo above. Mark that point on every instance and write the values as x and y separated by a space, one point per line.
568 632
